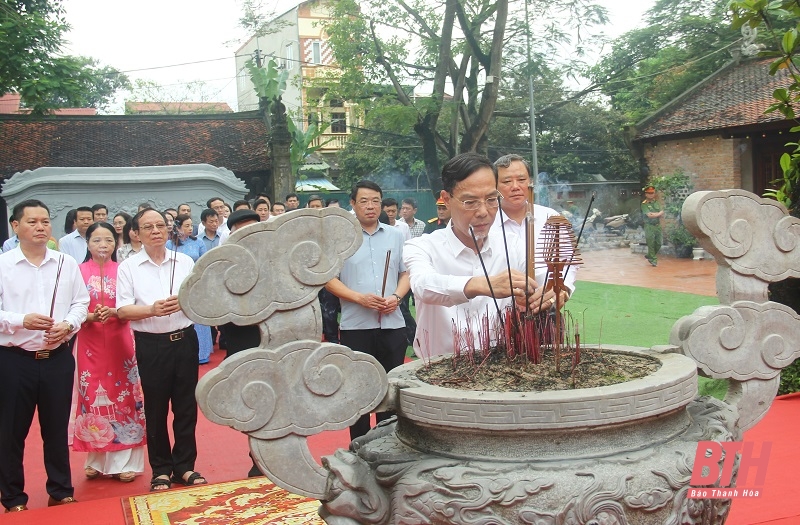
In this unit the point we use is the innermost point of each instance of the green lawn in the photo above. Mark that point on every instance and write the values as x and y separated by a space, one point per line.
629 315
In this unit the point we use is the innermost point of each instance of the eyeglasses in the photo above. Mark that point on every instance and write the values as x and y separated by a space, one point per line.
474 204
148 228
366 202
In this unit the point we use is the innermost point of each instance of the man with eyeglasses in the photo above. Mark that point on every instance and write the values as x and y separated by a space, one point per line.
370 294
513 178
166 349
447 266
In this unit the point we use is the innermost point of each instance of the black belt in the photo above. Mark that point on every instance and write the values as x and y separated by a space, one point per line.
177 335
37 354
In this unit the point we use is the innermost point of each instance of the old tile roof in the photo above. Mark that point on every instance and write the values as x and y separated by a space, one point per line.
235 141
735 96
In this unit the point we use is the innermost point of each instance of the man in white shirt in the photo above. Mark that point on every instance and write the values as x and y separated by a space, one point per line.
389 206
447 275
43 301
513 177
74 244
166 349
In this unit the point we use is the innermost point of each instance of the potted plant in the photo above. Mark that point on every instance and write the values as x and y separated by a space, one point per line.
681 239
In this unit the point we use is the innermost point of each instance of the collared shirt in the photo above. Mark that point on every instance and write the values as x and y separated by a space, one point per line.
222 230
11 243
73 245
515 229
25 289
417 229
363 273
651 207
403 228
440 266
142 282
210 243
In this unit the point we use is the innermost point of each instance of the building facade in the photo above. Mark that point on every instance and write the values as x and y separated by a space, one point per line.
300 46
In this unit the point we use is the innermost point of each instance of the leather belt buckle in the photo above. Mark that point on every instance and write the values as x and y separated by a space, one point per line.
176 336
42 354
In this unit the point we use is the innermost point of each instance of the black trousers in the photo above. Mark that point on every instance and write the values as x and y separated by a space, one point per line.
388 347
330 307
411 323
25 385
168 370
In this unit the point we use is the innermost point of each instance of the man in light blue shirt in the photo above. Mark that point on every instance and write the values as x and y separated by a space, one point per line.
210 220
370 290
74 244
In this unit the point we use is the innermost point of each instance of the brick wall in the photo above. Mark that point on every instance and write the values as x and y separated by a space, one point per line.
712 162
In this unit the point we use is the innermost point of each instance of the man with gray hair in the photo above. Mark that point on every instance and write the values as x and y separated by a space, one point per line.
513 178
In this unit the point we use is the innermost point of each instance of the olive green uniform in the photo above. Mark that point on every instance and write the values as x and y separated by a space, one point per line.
652 230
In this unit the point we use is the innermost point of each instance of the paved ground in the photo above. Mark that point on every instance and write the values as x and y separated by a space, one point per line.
620 266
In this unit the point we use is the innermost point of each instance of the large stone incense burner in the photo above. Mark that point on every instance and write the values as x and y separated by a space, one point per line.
609 455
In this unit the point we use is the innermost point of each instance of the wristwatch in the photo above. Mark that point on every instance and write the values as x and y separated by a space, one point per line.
71 328
399 299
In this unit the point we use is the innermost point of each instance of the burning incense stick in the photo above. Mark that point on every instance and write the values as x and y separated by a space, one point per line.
55 288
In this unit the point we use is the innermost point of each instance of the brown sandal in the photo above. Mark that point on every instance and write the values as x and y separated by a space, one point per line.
125 477
91 473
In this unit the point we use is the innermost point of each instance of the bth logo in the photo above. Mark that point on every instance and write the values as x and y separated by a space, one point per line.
706 470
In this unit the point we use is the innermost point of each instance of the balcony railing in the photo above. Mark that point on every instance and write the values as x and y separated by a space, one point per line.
331 141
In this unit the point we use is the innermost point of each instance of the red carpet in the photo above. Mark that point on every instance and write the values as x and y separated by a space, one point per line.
223 457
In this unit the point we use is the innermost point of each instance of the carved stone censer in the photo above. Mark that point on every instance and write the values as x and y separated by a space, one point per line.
620 454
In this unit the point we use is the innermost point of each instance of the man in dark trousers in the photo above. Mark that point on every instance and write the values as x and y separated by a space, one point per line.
370 290
43 301
166 349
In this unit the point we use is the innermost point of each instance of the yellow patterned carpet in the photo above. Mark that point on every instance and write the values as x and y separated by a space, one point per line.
253 501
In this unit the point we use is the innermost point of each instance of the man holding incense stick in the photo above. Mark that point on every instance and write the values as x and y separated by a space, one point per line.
371 284
166 349
43 301
463 273
513 180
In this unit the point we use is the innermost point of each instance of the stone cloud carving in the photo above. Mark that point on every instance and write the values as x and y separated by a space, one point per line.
270 266
753 236
747 339
299 388
743 341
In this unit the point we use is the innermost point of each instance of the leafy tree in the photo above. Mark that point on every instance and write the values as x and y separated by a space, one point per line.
683 42
170 98
31 36
455 46
575 139
784 45
270 83
385 150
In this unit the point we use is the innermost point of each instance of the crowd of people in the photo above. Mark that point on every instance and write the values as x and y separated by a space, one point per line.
112 281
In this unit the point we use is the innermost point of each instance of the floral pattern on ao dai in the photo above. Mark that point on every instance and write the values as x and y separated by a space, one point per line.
110 413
